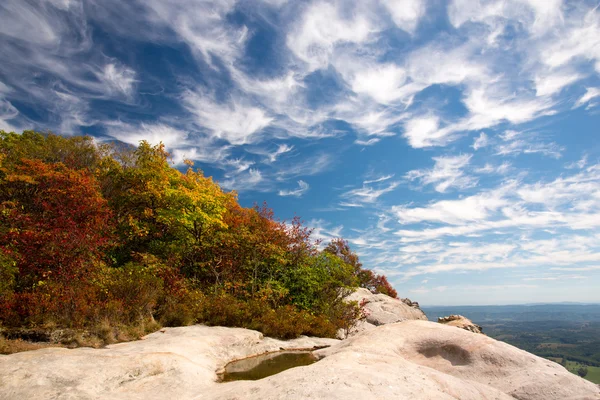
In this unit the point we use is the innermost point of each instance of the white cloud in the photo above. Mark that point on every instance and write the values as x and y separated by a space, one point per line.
302 188
487 110
424 132
323 231
118 78
236 166
281 149
234 122
480 142
578 164
590 93
252 179
384 83
379 179
374 122
554 83
453 65
568 202
201 25
367 194
406 13
7 111
515 143
578 42
447 172
271 156
369 142
21 21
537 16
306 166
488 168
276 92
153 133
206 153
453 212
179 142
322 28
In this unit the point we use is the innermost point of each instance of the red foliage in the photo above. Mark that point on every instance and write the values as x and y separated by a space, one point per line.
55 222
366 278
381 285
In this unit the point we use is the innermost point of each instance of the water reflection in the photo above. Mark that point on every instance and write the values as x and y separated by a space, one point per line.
259 367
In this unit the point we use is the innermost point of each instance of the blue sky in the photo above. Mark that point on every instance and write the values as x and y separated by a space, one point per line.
453 143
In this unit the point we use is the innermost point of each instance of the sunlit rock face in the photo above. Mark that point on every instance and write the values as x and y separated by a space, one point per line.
412 359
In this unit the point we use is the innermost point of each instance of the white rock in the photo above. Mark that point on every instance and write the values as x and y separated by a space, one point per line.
406 360
382 309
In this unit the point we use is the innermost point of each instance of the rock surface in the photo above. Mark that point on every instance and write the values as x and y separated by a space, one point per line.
381 309
408 360
461 322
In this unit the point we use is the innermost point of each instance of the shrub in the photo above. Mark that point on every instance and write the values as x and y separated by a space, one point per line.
8 273
137 286
284 322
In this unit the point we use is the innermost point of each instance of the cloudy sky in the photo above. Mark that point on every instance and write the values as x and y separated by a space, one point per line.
455 144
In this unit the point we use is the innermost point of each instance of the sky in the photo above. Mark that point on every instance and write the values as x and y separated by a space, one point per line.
454 144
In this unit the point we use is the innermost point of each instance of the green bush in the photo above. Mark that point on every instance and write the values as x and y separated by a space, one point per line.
137 286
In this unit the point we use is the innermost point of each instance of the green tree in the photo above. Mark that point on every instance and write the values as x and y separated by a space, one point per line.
158 209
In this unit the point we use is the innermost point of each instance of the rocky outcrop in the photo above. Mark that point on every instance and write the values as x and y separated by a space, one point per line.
410 303
407 360
380 309
460 322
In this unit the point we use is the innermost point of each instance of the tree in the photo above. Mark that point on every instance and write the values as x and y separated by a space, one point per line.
55 223
78 152
341 249
54 228
158 209
366 278
582 372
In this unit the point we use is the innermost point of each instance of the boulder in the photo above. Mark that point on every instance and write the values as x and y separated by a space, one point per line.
380 309
460 322
407 360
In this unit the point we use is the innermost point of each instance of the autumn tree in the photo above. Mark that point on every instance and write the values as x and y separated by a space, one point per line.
112 234
158 209
366 278
78 152
55 221
55 228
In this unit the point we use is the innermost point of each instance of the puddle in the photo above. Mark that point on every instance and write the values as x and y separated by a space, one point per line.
264 365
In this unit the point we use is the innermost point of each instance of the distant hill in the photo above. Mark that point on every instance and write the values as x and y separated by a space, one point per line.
527 312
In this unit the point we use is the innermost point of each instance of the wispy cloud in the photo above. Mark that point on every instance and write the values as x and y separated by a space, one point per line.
251 179
588 96
447 172
234 122
302 188
369 194
515 143
480 142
